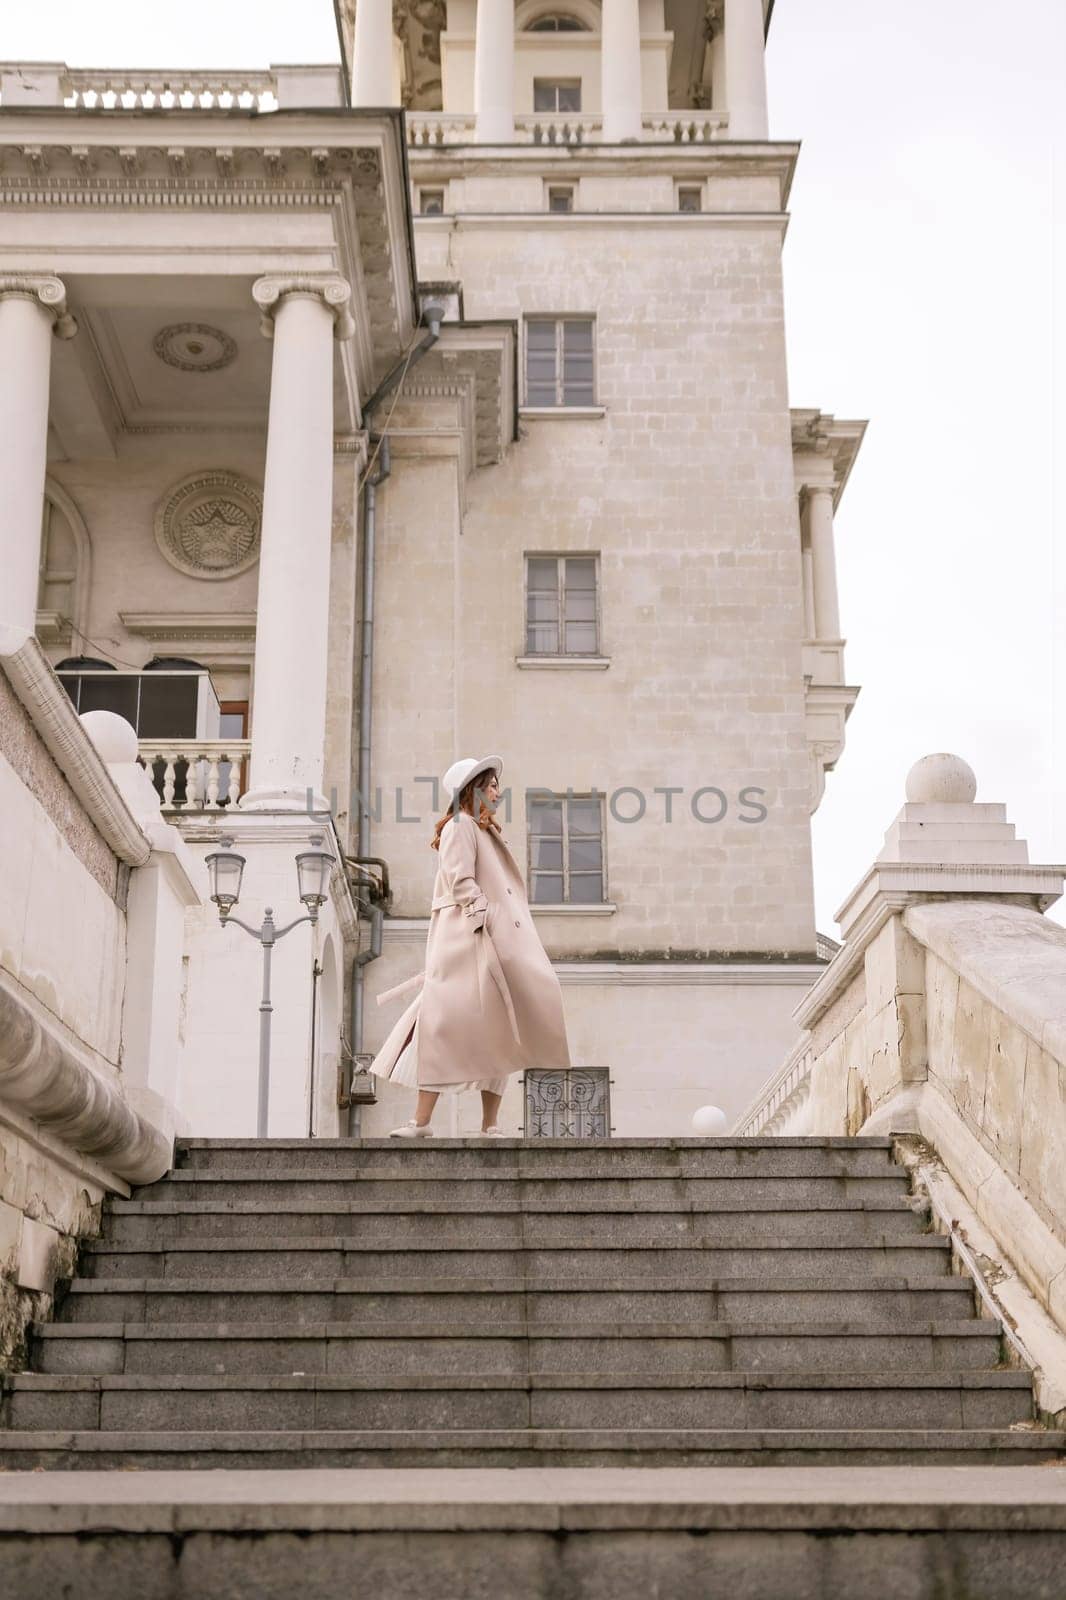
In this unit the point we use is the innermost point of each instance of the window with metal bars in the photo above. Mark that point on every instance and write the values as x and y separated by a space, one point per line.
562 605
565 843
560 364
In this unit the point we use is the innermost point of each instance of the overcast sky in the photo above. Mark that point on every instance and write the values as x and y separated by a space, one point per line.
927 234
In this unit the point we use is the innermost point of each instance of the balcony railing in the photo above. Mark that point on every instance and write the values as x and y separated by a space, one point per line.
170 91
196 774
435 129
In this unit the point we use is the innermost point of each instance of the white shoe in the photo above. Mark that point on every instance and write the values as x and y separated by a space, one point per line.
412 1130
493 1133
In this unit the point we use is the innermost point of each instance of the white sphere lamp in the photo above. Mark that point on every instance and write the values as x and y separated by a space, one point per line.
709 1121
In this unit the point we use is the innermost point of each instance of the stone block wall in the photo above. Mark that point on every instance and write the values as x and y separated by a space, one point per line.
62 958
685 487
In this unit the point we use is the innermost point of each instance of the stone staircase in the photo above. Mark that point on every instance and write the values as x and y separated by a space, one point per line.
630 1303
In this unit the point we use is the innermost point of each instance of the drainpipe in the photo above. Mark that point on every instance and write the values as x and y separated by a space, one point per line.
432 316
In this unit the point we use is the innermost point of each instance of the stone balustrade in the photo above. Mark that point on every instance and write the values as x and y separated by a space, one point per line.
164 90
53 83
435 129
942 1020
196 774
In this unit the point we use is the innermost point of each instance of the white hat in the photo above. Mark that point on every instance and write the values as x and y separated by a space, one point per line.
460 772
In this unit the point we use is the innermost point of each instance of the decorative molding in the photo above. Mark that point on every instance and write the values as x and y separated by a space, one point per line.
208 526
79 167
685 974
195 347
166 627
50 294
45 1076
334 291
61 730
712 18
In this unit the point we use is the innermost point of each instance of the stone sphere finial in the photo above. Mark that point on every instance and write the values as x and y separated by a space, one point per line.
115 739
942 778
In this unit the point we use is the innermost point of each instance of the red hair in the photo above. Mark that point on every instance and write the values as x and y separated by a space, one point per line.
485 818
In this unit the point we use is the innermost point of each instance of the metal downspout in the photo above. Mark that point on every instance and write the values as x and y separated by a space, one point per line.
432 315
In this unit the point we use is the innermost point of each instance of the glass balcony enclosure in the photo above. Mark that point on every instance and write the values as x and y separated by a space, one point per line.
178 703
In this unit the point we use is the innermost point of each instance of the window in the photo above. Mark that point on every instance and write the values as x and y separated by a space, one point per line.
573 1104
559 361
566 850
431 202
557 22
232 724
556 94
561 593
689 198
560 198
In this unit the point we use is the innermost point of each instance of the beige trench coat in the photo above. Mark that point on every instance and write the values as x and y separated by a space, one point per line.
488 1002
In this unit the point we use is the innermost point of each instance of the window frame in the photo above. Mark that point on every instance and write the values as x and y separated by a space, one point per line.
560 557
532 873
432 189
558 319
552 190
548 22
689 188
556 84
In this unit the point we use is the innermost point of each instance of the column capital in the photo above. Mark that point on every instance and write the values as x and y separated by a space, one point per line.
48 292
334 292
810 492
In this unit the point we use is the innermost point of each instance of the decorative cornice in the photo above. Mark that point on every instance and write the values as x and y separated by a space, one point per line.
163 626
50 294
43 1075
334 292
61 730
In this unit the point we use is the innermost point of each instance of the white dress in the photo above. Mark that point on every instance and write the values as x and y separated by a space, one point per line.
406 1072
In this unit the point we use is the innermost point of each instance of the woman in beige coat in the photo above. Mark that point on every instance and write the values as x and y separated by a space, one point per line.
488 1003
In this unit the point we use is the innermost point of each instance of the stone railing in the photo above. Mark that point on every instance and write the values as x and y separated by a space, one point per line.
942 1021
53 83
436 129
177 91
195 774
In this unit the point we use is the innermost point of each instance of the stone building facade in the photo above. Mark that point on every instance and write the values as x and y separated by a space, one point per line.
432 407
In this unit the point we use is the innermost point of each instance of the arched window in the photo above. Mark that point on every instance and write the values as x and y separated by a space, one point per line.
66 555
557 22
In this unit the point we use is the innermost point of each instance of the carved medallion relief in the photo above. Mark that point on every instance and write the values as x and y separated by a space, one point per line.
208 525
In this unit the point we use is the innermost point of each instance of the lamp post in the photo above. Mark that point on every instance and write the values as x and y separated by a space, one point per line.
225 869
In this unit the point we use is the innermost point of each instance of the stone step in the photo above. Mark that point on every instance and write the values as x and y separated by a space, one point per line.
319 1175
32 1450
691 1533
547 1158
332 1253
581 1400
500 1347
302 1262
660 1298
190 1213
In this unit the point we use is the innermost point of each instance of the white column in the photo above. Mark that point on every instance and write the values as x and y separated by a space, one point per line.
372 54
494 72
31 308
744 43
304 315
620 70
823 563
